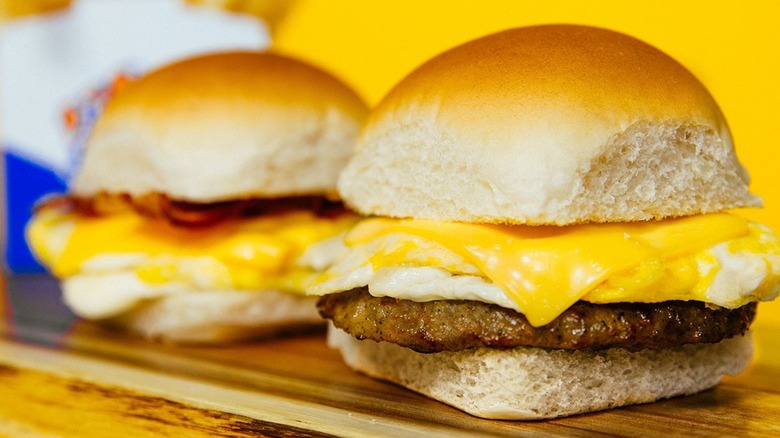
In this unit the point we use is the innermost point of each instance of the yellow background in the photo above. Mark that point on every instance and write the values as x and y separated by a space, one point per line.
733 47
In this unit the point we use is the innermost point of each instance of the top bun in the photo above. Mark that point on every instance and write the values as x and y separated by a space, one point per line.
555 124
224 126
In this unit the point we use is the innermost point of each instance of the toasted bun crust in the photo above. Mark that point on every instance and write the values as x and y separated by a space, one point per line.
534 383
224 126
554 124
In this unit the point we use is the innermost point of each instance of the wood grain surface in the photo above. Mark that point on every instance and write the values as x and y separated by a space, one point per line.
64 377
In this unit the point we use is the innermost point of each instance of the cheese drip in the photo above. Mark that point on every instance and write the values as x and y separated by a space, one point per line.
546 269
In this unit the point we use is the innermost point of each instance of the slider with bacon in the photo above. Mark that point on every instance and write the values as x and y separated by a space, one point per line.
202 184
547 230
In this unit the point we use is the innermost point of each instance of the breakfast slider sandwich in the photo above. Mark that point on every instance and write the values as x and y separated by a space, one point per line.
547 230
202 184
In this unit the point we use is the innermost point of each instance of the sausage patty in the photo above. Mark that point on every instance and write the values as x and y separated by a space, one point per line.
452 325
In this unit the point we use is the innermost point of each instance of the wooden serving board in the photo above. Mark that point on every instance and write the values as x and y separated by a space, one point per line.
64 377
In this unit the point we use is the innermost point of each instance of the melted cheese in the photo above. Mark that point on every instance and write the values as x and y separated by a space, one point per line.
253 253
544 270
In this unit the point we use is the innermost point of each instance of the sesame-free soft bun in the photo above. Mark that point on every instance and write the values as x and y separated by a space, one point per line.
202 185
224 126
554 124
538 383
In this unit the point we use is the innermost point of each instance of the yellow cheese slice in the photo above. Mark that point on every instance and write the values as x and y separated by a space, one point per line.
546 269
254 249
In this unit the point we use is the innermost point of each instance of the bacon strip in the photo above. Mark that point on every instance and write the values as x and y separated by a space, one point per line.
192 214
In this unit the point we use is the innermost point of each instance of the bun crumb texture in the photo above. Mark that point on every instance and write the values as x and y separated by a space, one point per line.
555 124
535 383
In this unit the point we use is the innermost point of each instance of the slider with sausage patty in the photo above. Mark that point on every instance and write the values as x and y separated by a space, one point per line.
202 184
548 230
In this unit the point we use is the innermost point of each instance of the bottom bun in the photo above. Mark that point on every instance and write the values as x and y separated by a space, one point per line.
534 383
220 317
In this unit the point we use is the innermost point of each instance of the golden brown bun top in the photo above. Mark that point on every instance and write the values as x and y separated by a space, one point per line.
538 67
224 126
547 124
